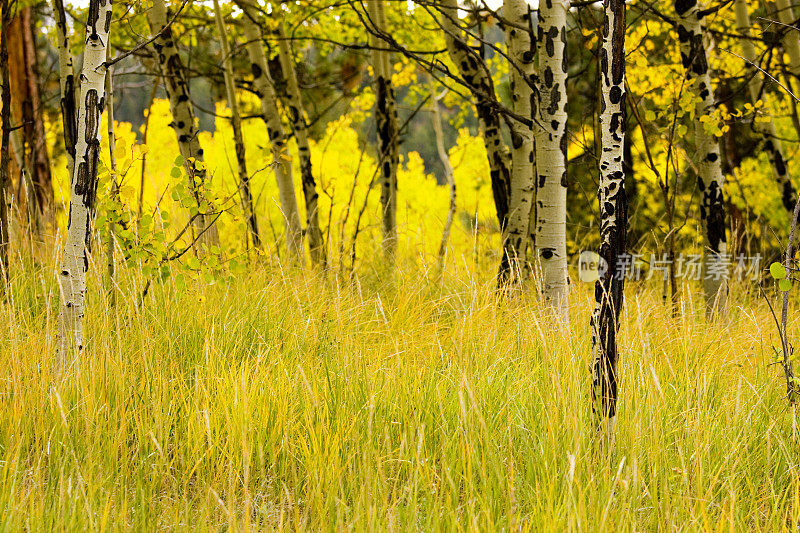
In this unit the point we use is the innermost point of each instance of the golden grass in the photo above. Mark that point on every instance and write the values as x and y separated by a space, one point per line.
284 401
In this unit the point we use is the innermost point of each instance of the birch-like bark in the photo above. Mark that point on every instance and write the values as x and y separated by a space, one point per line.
449 175
710 178
772 144
265 88
66 65
5 154
475 74
111 261
296 110
236 122
83 190
173 74
609 288
791 39
143 174
551 154
522 51
386 119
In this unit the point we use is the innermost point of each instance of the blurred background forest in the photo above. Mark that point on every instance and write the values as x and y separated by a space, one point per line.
333 67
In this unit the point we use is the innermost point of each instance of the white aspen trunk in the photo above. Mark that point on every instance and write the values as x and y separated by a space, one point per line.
296 110
791 39
551 153
448 171
609 288
143 174
522 52
183 119
75 260
112 156
67 84
772 144
236 122
386 118
265 87
710 179
475 74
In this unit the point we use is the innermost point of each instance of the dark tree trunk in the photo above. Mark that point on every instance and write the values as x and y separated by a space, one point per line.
609 288
4 154
26 108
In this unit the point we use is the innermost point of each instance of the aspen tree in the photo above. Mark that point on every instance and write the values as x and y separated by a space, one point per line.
173 74
710 178
265 88
236 122
297 116
772 144
66 83
449 174
522 52
609 288
111 261
791 40
551 151
386 118
83 189
475 74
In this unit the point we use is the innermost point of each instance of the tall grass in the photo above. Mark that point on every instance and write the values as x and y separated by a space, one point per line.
282 400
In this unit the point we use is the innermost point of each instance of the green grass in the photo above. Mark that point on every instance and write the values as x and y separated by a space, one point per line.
283 401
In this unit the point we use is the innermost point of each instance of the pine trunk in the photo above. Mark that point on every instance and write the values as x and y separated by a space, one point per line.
522 52
173 74
609 288
265 88
75 260
710 178
475 74
27 112
238 138
388 135
772 144
296 110
551 153
5 113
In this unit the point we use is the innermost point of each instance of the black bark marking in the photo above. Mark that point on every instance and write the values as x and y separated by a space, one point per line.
682 6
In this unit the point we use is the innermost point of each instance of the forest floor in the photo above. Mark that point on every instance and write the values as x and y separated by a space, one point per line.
279 400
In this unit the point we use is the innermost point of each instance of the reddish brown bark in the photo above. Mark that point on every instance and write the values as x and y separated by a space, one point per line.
26 109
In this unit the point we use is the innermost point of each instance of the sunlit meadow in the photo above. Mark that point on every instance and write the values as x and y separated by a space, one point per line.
284 399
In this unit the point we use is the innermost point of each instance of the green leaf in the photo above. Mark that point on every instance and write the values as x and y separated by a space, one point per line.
179 161
175 172
785 284
777 270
